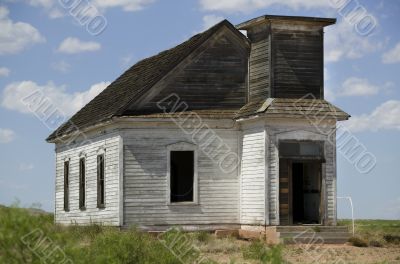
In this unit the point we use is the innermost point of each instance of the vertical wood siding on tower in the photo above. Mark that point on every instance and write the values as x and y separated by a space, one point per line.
297 63
259 62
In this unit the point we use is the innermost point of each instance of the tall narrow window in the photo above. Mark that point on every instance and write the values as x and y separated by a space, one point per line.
66 186
100 182
182 176
82 184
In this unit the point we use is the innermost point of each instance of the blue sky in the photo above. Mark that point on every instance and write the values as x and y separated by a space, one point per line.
42 46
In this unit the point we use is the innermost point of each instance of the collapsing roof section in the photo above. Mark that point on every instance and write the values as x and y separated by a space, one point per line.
136 81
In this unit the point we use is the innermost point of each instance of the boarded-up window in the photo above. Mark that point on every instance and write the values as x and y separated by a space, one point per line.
182 176
82 184
66 186
100 182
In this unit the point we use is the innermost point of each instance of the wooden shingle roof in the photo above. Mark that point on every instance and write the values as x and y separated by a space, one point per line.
132 84
293 108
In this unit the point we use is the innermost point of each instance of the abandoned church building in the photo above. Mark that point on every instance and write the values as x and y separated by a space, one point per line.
228 130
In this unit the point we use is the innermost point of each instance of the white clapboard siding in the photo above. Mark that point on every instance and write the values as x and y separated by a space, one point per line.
247 195
110 214
145 181
252 207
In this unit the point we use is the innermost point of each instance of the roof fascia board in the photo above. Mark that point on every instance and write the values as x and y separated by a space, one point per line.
286 19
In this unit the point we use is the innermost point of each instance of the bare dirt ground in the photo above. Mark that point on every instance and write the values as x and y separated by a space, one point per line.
341 254
230 251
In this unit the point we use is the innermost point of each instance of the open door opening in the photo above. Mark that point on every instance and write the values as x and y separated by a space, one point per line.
306 196
300 195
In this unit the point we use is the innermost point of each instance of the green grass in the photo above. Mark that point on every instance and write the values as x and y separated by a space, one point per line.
358 242
30 236
258 250
33 238
202 236
375 231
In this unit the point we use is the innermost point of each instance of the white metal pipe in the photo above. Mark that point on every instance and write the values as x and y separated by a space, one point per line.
352 210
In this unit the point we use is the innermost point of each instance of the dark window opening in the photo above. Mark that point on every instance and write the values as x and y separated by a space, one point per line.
82 184
66 186
100 182
182 176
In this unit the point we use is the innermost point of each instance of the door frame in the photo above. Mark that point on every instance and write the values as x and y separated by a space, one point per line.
290 162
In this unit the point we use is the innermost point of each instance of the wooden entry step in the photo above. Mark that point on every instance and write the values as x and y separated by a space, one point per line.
316 235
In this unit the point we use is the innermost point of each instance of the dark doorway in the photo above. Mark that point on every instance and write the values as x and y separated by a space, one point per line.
306 184
298 194
182 176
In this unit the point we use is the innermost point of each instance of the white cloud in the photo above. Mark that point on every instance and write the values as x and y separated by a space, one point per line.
73 45
6 135
26 166
329 94
49 6
67 103
343 42
211 20
384 117
61 66
15 37
4 72
42 3
354 86
392 56
247 6
126 5
53 10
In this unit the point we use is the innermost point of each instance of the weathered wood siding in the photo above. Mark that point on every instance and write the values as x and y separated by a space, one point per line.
284 189
110 215
297 62
301 130
145 180
286 61
213 77
259 70
253 193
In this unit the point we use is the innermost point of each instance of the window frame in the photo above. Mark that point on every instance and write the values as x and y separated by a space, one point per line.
183 146
101 193
82 182
299 156
66 181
